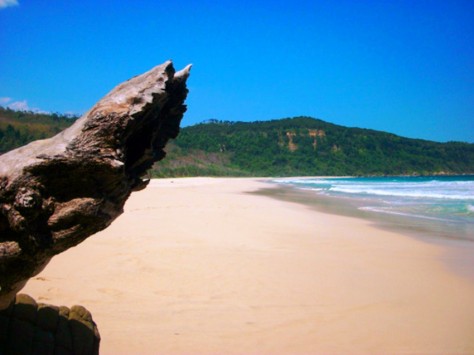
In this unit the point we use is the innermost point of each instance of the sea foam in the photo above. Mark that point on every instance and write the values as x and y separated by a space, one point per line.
441 199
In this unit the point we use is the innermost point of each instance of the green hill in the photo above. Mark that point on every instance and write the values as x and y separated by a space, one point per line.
306 146
19 127
286 147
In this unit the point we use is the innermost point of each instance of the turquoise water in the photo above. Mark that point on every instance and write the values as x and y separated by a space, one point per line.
446 202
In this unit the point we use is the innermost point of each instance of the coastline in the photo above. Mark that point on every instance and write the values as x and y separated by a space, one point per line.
208 265
458 250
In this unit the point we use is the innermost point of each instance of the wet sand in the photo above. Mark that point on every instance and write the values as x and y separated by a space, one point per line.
202 266
457 242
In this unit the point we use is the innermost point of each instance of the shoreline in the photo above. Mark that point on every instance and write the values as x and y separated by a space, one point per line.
206 266
459 251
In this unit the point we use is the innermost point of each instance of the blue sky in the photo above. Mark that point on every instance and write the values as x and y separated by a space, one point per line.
406 67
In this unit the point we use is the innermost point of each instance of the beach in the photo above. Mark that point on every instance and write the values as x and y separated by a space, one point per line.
206 266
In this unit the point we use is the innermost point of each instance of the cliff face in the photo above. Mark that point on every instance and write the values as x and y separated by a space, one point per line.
55 193
314 134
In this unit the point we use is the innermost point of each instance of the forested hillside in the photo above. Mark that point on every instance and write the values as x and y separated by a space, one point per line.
19 127
286 147
307 146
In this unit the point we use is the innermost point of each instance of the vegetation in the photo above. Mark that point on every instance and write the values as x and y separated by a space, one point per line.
307 146
287 147
18 128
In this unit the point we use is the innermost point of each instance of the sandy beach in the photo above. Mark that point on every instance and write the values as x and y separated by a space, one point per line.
202 266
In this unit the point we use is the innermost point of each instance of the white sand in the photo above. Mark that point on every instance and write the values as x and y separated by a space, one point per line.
198 266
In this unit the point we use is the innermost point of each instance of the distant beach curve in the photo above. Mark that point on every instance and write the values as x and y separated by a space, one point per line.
444 205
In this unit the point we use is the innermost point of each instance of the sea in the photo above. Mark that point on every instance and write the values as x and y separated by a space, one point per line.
430 206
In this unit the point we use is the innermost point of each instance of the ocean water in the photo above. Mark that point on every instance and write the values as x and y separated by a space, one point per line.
441 205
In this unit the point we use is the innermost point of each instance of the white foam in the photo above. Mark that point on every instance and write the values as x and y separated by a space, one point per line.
398 213
404 193
402 188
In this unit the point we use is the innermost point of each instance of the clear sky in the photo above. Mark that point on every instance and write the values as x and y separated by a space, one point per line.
406 67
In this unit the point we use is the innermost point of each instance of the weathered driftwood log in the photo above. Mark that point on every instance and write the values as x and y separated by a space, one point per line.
27 327
55 193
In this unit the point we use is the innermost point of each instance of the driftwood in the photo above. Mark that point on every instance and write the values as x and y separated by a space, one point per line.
55 193
27 327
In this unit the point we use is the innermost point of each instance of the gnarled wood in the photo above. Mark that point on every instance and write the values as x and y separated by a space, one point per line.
27 327
55 193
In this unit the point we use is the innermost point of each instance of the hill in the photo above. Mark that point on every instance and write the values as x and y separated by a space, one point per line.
18 128
307 146
286 147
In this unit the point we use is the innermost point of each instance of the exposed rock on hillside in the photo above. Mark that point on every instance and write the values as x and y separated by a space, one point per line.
55 193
